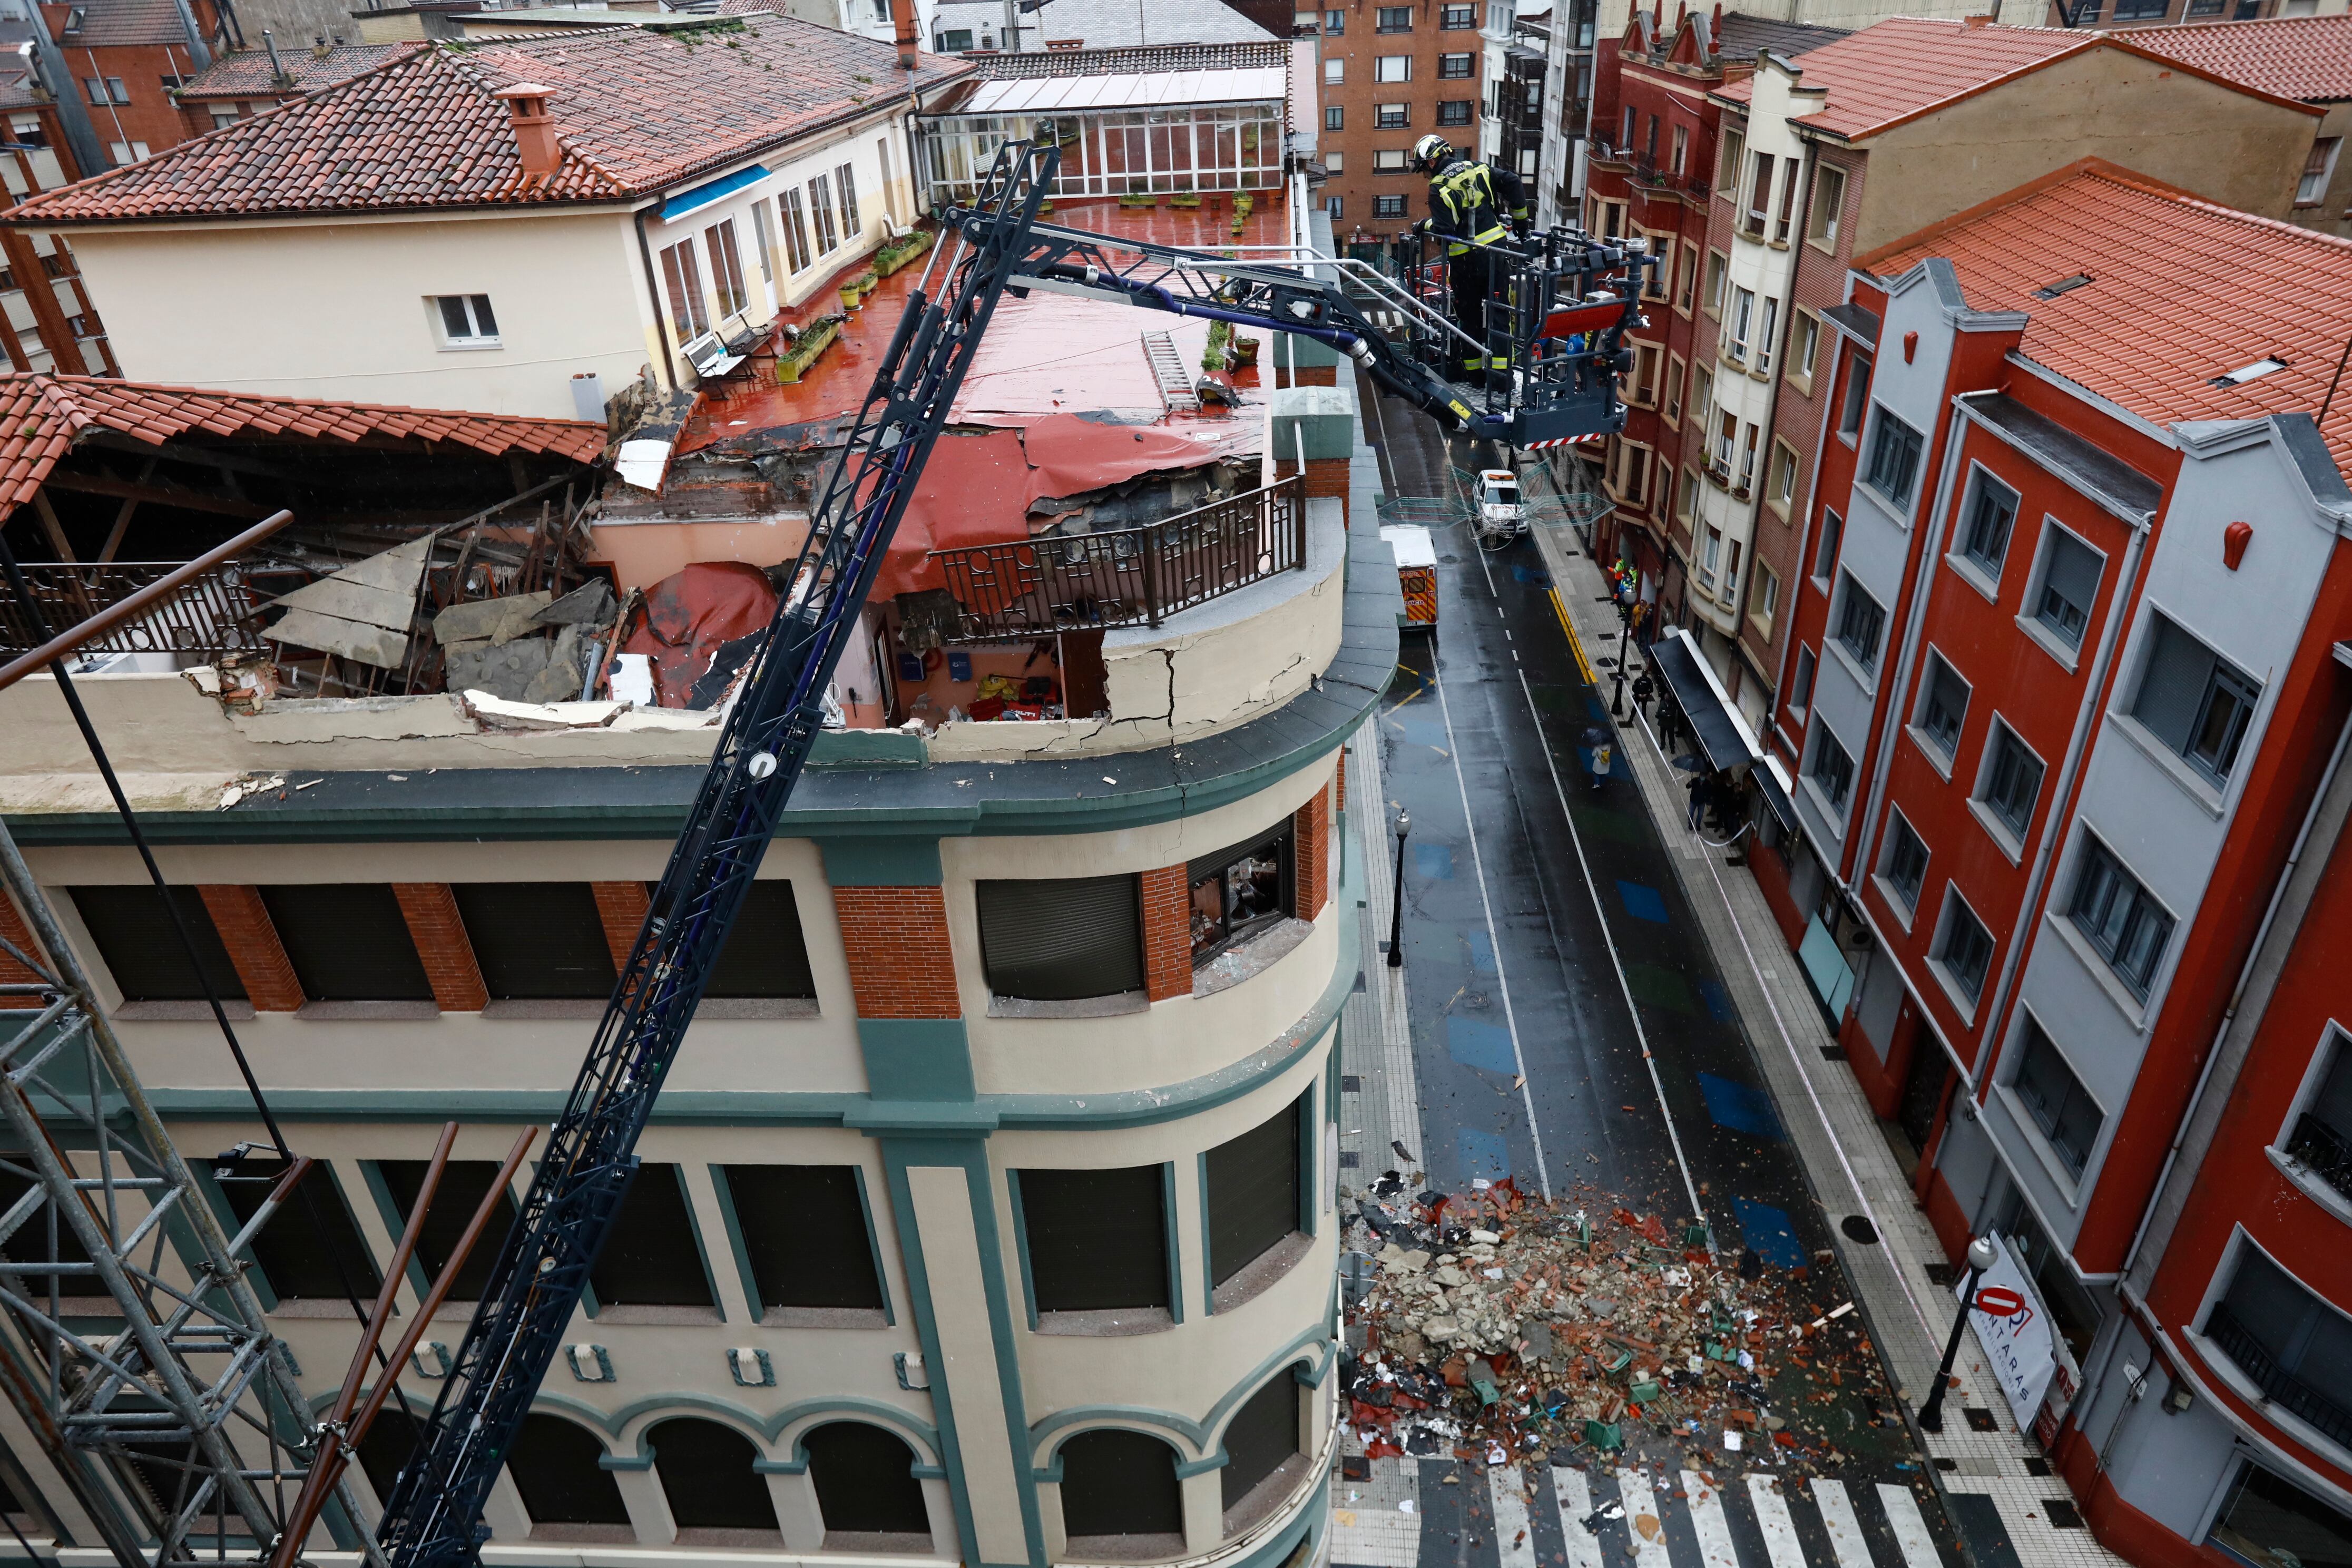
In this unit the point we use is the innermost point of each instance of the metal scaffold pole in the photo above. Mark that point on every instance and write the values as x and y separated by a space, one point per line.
183 1433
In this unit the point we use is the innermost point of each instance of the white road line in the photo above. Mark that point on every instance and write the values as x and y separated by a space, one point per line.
1910 1529
1494 937
1837 1518
1780 1541
1514 1541
1709 1523
1650 1546
1575 1501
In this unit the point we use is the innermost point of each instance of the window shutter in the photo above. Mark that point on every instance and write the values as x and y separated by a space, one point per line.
651 1256
1263 1434
1097 1240
142 951
765 955
536 939
1252 1193
803 1228
348 941
2178 667
1062 939
2073 572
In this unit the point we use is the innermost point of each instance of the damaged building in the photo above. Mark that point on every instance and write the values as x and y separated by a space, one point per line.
989 1214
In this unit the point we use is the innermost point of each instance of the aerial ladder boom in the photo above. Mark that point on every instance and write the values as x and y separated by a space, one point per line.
433 1519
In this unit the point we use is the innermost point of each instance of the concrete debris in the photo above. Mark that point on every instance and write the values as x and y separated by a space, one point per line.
1498 1328
362 612
495 621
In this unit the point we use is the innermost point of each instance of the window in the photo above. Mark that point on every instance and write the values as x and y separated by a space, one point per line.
1334 207
536 940
1096 1241
1782 492
1335 22
1748 435
1860 620
1388 160
1857 394
223 115
1391 116
1453 111
106 90
1984 535
1675 375
1394 19
2069 583
652 1257
1689 274
796 240
2321 1140
464 1184
1718 267
2294 1345
2312 189
2012 782
2194 700
1649 146
1260 1440
1726 433
1335 162
2069 1118
1682 150
1943 705
1788 203
1457 68
1832 769
1659 282
1120 1483
766 956
310 1250
1644 392
1240 891
820 195
1801 685
689 313
726 267
1335 117
554 1466
863 1477
135 937
853 217
1731 576
807 1237
1388 206
467 321
1335 72
348 941
1767 598
1895 450
1766 334
1454 17
2267 1520
955 41
1966 951
1393 68
1609 219
1061 938
1711 553
1743 310
1760 195
128 152
1825 554
1702 391
1255 1197
763 240
706 1476
2119 917
1907 862
1828 206
1729 152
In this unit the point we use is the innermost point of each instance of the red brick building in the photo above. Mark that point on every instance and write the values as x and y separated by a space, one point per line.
1391 75
127 59
239 85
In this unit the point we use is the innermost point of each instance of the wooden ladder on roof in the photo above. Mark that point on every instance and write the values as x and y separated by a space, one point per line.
1169 369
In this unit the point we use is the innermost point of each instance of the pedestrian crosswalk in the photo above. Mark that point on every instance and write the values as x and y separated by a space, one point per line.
1626 1517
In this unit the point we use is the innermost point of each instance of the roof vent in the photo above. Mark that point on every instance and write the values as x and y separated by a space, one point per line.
74 16
2064 286
534 128
2246 372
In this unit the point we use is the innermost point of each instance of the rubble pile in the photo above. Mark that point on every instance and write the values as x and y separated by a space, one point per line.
1494 1325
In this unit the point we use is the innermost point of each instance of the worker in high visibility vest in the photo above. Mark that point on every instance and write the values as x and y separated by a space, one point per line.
1472 205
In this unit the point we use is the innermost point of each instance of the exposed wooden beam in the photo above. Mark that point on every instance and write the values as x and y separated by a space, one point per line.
162 495
198 456
51 526
122 515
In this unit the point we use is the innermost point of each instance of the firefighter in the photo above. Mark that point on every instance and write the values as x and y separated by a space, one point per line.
1472 205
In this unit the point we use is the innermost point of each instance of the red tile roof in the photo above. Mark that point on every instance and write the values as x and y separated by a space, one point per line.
1901 67
43 417
2181 290
108 23
2305 57
637 112
245 74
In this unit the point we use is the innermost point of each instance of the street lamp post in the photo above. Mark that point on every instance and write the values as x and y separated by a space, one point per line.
1396 900
1981 1256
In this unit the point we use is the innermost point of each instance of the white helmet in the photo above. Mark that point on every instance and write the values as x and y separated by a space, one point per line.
1431 150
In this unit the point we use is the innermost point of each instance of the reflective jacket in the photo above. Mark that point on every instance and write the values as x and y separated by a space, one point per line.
1468 202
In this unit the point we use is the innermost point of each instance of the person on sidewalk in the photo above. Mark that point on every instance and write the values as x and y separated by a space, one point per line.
1597 750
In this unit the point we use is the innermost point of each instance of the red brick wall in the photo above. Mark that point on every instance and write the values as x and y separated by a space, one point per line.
12 927
1325 476
1311 835
897 942
622 907
431 911
1339 785
1167 932
1307 375
252 947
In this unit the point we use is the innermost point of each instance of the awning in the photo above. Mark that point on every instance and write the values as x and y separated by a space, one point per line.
1772 784
703 194
1723 737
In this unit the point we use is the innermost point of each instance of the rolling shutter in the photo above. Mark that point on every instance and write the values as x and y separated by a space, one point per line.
1097 1240
142 951
1062 939
1252 1193
348 941
536 940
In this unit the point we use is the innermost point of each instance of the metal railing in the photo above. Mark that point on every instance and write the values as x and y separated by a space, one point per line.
1128 576
2305 1401
2322 1150
213 614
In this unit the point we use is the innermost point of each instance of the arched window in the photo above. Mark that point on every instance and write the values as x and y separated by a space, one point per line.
569 1496
1261 1442
706 1472
865 1481
1117 1490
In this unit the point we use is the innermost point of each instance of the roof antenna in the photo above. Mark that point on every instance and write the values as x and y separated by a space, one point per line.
2340 362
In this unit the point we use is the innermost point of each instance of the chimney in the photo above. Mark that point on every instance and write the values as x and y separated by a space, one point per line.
1984 21
534 128
278 76
902 11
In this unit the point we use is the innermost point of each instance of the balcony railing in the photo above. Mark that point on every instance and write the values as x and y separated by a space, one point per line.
2322 1150
1128 576
212 616
2307 1401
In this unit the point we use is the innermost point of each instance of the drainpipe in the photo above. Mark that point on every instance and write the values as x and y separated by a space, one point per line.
98 72
2095 701
653 292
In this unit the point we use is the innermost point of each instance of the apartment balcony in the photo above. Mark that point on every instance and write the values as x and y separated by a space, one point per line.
2319 1407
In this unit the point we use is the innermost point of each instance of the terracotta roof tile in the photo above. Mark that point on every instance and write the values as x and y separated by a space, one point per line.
1897 67
111 23
43 415
2181 290
245 74
2306 57
637 112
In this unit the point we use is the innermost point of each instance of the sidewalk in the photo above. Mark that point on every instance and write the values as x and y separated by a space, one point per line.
1995 1478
